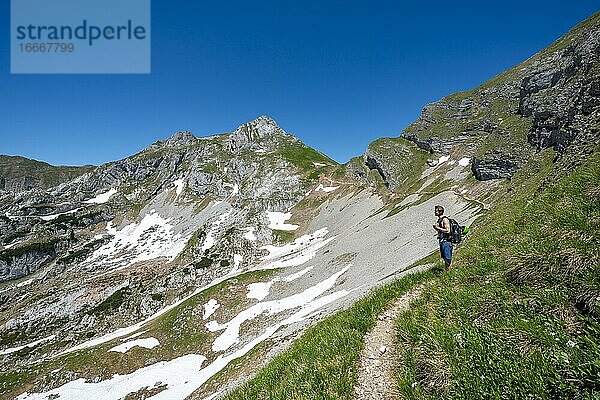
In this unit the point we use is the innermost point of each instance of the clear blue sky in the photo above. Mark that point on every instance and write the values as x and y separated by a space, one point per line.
337 74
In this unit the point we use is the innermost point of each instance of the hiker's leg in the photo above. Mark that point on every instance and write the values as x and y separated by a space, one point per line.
446 252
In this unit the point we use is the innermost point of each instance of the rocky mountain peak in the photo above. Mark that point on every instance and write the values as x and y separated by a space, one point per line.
249 134
261 127
178 139
181 138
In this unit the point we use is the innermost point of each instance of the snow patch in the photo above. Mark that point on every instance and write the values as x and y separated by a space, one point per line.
249 234
25 283
261 290
54 216
326 189
305 300
443 159
210 308
179 185
32 344
463 162
237 259
304 245
235 188
151 238
277 221
8 246
215 226
148 343
102 198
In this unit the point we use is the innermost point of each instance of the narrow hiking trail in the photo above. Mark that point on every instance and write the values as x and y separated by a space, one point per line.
376 377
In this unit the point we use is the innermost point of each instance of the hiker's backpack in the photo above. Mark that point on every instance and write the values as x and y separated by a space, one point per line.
456 231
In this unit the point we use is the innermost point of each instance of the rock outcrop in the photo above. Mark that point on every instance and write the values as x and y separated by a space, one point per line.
561 92
550 100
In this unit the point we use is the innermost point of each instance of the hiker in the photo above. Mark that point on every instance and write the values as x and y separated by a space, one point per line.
442 226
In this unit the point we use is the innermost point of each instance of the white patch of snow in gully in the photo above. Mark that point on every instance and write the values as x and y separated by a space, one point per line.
179 185
8 246
277 221
249 234
54 216
148 343
443 159
463 162
151 238
25 283
210 308
261 290
32 344
300 251
214 228
325 189
102 198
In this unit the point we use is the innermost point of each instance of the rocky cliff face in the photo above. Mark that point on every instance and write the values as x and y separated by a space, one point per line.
247 167
550 100
561 90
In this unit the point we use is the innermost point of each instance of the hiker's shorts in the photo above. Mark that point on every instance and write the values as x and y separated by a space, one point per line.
446 249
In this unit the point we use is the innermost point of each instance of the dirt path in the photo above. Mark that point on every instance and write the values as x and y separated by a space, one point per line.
376 379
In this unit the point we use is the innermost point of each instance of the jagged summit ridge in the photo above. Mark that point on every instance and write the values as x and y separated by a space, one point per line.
178 139
250 134
261 127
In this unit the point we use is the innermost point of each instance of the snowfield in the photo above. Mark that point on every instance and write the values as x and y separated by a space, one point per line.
54 216
148 343
277 221
101 198
305 299
179 185
249 234
151 238
32 344
210 308
326 189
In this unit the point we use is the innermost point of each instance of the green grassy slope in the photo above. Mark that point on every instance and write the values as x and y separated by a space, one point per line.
46 175
517 316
